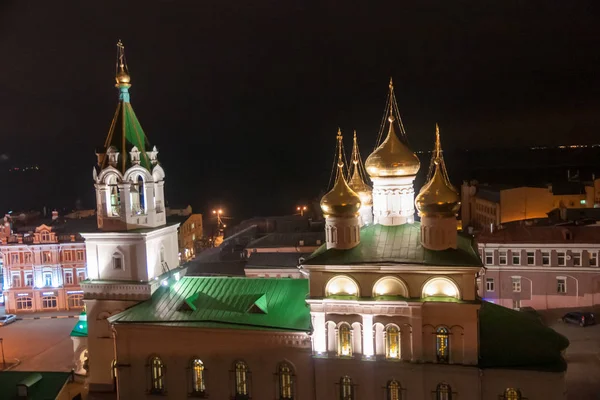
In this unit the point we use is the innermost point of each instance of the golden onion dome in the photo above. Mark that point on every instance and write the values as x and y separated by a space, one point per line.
438 197
392 157
341 201
122 78
358 186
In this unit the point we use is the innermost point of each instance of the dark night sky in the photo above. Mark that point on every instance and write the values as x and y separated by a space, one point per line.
243 99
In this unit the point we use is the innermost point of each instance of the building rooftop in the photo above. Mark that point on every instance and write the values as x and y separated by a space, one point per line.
42 385
399 244
226 302
517 340
275 260
289 239
518 232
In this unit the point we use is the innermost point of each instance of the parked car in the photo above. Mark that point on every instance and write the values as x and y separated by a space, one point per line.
7 319
580 318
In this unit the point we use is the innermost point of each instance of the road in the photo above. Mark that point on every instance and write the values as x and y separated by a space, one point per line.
583 358
40 345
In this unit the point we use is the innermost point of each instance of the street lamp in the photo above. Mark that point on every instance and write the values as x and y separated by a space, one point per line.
301 210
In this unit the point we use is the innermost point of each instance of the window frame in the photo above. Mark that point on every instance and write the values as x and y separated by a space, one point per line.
390 341
443 391
29 280
241 378
442 345
27 300
515 255
344 344
68 281
576 256
390 386
561 285
490 285
489 257
546 255
286 381
516 284
593 256
502 254
194 374
530 255
71 304
49 300
346 388
157 374
563 255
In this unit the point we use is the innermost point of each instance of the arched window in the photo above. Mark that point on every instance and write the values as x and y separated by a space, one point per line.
157 375
344 340
113 207
443 391
392 342
393 390
442 345
241 381
286 383
341 285
390 286
136 193
198 383
346 388
512 394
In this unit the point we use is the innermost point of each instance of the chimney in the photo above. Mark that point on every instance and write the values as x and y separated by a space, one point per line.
54 215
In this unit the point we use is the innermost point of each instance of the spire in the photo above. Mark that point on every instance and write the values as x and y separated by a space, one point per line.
129 137
356 177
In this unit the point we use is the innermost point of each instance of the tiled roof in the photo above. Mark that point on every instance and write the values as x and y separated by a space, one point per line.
241 303
48 387
521 233
398 244
516 340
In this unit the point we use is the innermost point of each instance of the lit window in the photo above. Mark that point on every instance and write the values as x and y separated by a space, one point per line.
114 203
68 278
561 258
198 383
545 258
502 258
516 283
193 225
346 388
157 375
593 259
443 391
530 258
576 259
47 276
440 287
341 285
24 303
49 302
489 258
286 388
561 285
516 257
582 202
75 301
393 390
241 381
392 343
512 394
344 340
489 284
442 344
46 257
193 237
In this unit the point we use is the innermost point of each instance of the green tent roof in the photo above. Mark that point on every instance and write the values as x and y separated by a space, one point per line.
517 340
48 387
228 302
398 244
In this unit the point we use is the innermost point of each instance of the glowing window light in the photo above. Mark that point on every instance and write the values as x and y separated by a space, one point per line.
344 340
392 334
390 286
341 285
441 287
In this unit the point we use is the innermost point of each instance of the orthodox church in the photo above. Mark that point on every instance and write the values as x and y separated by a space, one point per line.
389 309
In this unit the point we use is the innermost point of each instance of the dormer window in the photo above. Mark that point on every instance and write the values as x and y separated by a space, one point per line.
45 236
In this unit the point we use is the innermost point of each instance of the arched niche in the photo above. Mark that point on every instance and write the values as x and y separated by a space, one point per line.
342 285
390 286
441 287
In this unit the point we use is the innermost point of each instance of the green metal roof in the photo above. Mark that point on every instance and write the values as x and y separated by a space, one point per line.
517 340
48 387
81 327
400 244
228 302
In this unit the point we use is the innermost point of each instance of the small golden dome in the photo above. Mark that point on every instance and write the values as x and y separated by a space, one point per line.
364 191
392 157
122 77
438 197
341 201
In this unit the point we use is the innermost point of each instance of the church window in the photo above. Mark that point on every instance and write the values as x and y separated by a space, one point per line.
442 345
392 342
393 390
285 379
346 388
341 285
241 381
117 261
443 391
198 382
114 204
344 340
512 394
157 375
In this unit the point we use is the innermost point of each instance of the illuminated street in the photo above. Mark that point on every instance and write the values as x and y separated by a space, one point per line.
40 345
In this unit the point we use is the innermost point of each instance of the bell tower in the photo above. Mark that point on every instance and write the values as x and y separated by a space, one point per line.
134 251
